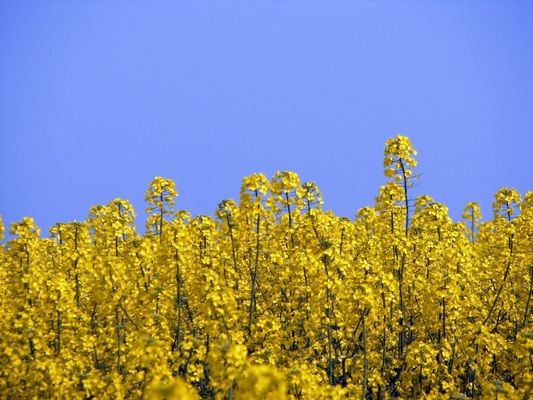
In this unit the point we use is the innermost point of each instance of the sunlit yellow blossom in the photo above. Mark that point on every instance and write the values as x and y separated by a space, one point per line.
273 297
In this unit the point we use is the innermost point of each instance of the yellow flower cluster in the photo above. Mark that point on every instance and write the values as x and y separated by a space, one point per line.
399 158
273 298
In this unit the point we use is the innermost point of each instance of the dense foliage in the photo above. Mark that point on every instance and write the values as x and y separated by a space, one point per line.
273 298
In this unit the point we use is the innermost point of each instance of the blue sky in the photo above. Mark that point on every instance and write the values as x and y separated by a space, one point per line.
97 98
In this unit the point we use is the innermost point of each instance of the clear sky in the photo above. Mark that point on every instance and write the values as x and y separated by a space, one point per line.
98 97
